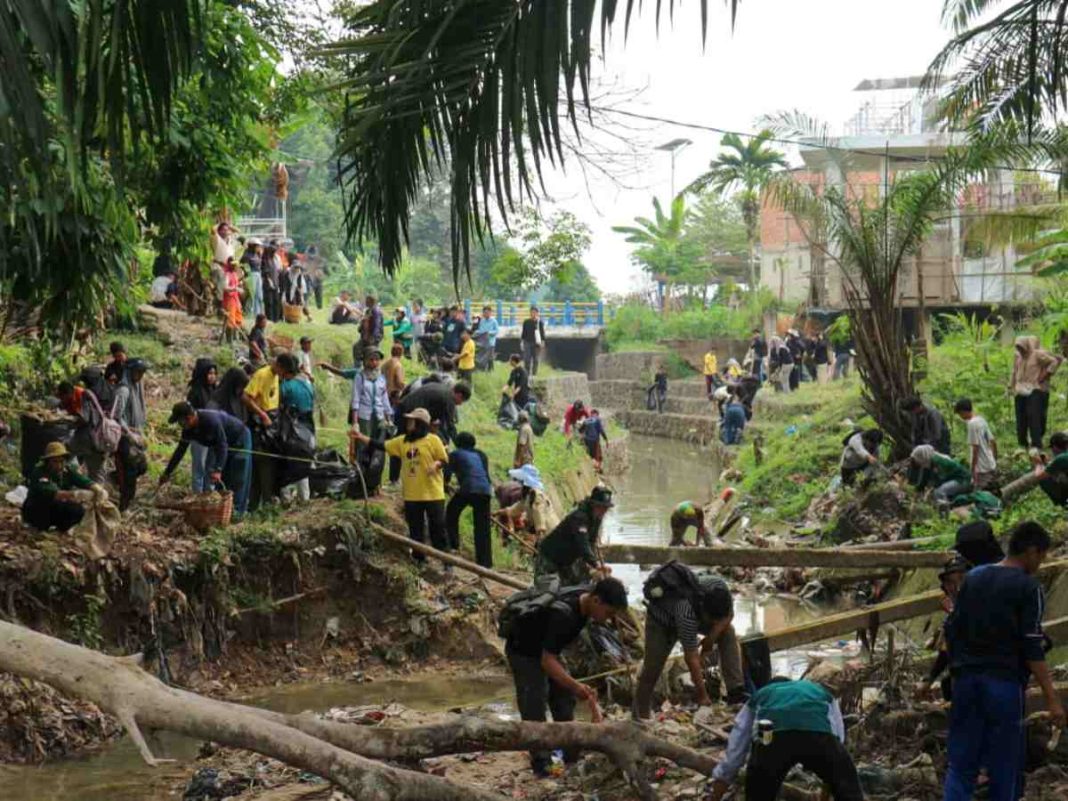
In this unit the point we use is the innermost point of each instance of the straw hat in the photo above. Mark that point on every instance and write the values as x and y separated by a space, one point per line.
54 450
419 414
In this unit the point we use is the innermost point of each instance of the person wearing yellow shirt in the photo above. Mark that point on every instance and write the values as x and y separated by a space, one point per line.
465 364
261 398
711 371
423 459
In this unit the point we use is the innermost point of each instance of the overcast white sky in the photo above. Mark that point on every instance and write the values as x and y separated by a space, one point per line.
784 54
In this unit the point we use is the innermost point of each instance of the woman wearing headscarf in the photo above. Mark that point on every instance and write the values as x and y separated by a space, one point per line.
229 392
948 477
231 300
201 387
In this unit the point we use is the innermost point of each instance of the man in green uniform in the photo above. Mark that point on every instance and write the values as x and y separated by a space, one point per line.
569 549
688 514
51 501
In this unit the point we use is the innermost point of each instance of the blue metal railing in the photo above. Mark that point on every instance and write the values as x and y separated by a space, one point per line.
553 313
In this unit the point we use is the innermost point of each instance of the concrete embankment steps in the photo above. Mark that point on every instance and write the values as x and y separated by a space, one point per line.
691 428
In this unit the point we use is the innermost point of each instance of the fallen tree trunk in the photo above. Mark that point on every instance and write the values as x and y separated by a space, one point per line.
771 557
342 753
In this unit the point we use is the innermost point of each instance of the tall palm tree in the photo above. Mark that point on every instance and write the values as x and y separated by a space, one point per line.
1009 66
662 247
485 86
744 168
870 243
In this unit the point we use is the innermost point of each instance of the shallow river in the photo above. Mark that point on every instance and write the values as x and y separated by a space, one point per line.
663 473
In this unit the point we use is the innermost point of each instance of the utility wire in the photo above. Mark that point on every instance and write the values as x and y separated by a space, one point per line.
804 142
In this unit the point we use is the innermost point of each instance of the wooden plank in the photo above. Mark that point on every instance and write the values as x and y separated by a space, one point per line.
896 545
771 557
827 628
926 603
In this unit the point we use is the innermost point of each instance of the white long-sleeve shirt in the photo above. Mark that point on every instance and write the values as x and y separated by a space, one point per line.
741 740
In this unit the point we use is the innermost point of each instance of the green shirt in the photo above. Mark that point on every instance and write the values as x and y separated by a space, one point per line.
687 510
44 486
402 331
794 706
946 469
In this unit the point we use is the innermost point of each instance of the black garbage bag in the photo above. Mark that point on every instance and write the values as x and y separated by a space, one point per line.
367 474
507 413
296 441
329 479
538 421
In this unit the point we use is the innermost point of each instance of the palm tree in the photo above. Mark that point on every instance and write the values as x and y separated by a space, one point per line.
485 86
1009 66
870 243
663 248
746 167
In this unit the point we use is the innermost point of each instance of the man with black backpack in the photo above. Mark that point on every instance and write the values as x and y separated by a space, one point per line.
537 625
683 605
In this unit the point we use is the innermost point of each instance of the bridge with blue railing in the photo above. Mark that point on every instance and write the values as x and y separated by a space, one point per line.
555 314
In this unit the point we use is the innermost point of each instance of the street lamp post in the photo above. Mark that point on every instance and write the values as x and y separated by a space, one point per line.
673 147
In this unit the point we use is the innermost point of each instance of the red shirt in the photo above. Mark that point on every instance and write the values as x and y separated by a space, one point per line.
572 416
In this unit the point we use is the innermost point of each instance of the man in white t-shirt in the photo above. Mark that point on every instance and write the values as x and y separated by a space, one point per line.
984 448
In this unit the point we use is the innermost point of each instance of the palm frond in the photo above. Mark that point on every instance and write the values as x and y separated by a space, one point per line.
483 86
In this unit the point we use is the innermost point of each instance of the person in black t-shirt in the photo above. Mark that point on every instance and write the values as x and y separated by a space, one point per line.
518 382
541 678
257 342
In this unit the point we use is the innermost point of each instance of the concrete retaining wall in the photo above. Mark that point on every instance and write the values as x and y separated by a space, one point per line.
632 366
691 428
617 394
557 391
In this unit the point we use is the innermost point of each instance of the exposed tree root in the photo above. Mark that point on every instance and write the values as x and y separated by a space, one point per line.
345 754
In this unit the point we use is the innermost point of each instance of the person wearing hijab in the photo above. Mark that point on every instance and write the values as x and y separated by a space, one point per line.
1032 369
199 395
948 477
130 411
229 392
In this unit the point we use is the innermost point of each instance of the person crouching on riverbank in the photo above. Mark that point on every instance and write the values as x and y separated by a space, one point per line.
948 477
686 515
537 626
788 723
51 500
860 456
698 612
569 550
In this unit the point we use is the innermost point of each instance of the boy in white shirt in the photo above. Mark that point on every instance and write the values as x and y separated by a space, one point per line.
984 448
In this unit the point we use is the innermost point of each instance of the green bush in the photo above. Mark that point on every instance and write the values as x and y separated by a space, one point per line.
638 323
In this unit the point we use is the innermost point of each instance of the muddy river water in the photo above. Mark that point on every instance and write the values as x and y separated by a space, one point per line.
663 472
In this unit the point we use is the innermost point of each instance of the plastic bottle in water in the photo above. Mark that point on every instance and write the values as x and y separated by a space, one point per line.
556 767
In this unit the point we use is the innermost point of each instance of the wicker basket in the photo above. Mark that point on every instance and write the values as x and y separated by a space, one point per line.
291 313
209 510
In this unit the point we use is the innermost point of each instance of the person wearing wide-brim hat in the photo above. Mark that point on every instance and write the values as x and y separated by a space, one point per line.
423 459
51 502
570 549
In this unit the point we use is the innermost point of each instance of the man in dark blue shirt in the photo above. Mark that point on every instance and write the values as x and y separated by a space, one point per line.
995 641
471 468
229 444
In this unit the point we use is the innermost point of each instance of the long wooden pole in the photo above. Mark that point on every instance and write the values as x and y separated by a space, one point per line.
771 557
449 559
896 545
927 603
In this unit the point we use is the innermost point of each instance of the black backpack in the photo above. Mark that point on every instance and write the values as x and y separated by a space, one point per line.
524 607
675 580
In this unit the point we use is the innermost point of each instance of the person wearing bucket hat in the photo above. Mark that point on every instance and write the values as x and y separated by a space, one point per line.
229 449
50 502
570 550
423 458
531 511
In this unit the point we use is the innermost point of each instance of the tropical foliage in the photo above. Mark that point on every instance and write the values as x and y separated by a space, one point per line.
1004 66
661 245
742 170
490 87
870 242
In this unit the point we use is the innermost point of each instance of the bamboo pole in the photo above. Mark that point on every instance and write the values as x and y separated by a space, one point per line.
449 559
772 557
896 545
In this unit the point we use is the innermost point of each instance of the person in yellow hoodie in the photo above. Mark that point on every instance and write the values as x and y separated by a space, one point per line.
711 371
465 364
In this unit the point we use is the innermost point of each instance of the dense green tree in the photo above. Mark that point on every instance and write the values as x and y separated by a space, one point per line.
661 245
573 282
742 170
486 86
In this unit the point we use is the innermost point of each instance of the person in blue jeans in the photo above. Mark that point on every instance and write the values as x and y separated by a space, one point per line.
733 423
229 444
995 642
